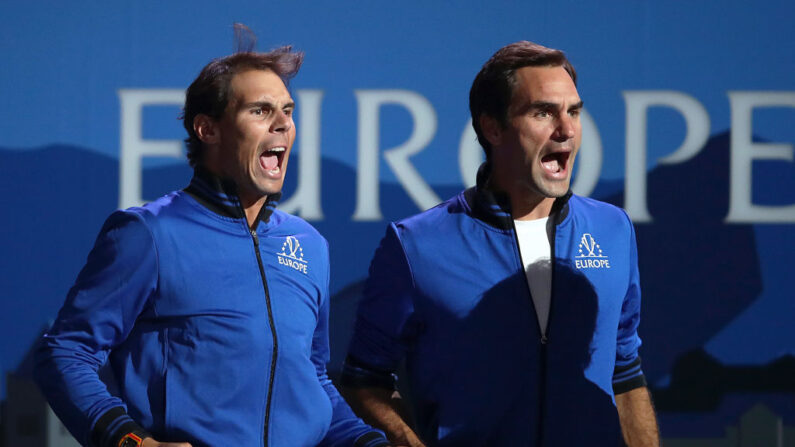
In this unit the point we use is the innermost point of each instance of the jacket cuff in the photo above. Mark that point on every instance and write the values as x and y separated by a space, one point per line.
628 377
112 426
371 439
357 374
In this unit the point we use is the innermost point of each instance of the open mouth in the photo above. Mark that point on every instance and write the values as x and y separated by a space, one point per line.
556 163
271 159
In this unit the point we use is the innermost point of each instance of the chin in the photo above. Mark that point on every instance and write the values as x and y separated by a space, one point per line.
270 189
556 190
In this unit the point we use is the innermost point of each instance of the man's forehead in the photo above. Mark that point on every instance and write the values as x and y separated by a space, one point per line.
538 83
255 85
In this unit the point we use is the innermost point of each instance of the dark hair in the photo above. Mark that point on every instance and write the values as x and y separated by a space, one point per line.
209 93
492 88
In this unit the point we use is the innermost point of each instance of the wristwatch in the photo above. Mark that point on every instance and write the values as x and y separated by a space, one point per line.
131 440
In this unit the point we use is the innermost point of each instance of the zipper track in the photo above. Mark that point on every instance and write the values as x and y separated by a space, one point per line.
543 336
542 394
273 334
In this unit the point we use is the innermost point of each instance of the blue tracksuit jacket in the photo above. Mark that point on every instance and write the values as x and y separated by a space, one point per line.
216 335
447 291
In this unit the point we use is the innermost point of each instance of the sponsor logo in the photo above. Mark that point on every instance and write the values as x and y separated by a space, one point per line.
590 255
292 255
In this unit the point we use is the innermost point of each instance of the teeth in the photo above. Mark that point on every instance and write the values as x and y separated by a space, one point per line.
277 149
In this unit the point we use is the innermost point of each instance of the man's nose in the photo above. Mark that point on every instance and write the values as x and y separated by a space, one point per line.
282 122
567 128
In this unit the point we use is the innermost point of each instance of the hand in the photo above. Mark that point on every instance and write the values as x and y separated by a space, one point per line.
149 442
409 440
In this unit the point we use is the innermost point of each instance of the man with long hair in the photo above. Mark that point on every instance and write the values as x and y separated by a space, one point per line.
210 304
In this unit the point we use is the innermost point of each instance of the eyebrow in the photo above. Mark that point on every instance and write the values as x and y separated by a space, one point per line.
259 104
551 105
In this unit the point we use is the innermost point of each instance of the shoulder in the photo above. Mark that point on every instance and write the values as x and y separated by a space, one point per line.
592 209
172 203
440 228
125 234
289 223
167 213
286 225
130 220
437 218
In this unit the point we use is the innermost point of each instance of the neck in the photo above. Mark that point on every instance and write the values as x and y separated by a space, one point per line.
526 204
252 209
251 205
523 208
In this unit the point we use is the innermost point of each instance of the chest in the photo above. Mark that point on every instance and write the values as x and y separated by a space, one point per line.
480 271
223 277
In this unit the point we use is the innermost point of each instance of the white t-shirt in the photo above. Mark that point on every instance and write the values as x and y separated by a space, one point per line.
535 252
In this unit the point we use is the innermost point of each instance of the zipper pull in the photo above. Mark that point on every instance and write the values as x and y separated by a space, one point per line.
544 339
254 236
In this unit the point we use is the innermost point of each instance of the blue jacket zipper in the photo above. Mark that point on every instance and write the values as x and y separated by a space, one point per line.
273 334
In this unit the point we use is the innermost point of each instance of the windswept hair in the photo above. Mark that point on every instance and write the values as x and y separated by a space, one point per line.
209 93
492 88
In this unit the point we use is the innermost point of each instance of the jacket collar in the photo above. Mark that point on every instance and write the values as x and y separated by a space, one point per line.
494 207
220 196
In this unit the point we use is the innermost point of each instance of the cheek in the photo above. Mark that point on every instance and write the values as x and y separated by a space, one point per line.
537 132
532 143
578 139
249 143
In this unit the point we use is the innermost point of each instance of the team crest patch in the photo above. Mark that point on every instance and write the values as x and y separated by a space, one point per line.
292 255
590 255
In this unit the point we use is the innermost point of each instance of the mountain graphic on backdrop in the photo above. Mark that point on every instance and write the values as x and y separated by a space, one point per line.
61 212
698 273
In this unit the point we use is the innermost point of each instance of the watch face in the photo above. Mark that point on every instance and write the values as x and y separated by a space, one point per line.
130 440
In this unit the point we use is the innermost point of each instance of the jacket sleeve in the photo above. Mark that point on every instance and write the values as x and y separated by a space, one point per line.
628 374
110 292
385 324
345 429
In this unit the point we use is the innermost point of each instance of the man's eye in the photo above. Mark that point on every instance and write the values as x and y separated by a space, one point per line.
574 113
541 114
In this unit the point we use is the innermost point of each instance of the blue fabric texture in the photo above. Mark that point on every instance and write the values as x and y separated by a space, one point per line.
447 292
172 297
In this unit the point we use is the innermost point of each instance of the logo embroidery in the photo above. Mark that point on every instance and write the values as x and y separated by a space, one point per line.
292 255
590 254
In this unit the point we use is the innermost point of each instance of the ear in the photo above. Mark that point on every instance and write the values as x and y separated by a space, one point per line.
206 129
491 129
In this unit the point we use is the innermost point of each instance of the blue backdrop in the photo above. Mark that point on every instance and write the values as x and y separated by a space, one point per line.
689 126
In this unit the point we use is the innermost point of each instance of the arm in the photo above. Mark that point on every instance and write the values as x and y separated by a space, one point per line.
635 409
636 414
383 408
384 330
345 429
100 310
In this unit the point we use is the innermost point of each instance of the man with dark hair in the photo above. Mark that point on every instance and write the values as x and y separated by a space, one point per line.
515 304
210 305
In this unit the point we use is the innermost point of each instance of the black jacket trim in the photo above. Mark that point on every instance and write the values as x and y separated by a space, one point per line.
633 371
494 207
372 439
629 385
220 196
112 426
357 374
